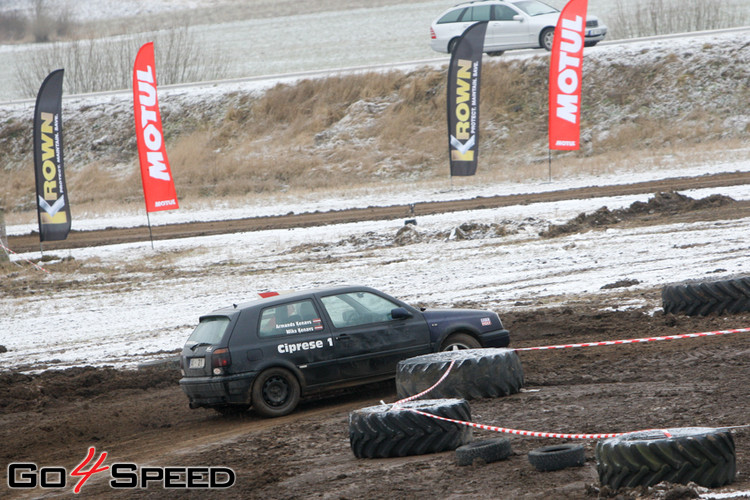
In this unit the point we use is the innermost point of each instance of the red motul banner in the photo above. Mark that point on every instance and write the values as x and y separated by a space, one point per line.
565 70
158 186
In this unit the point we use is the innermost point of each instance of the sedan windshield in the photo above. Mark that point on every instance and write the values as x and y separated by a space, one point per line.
534 8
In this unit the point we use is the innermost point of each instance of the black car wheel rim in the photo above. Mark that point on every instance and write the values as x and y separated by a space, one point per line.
276 391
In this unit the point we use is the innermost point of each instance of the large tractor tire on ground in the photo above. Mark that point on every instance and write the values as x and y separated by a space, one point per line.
477 373
387 431
711 297
704 456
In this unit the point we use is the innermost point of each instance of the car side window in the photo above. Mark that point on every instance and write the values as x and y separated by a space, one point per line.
285 319
480 13
452 16
503 13
358 308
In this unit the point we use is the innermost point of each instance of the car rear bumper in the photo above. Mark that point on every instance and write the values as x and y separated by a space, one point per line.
497 338
212 391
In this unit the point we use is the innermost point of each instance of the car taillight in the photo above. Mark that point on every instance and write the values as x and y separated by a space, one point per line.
432 33
220 360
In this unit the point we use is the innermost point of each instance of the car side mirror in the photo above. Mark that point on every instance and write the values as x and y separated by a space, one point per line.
518 17
400 313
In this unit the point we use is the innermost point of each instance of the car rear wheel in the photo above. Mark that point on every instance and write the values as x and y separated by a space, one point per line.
546 38
452 45
276 392
460 341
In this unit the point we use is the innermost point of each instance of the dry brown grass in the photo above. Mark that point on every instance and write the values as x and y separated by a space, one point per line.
379 131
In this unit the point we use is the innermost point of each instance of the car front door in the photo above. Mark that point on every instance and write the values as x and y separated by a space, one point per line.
369 341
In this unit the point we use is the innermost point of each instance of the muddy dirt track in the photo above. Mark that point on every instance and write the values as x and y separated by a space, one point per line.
78 239
141 416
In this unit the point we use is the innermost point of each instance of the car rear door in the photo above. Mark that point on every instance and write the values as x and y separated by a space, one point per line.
368 340
296 332
505 32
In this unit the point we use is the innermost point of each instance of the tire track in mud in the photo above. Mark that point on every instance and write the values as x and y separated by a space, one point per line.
110 236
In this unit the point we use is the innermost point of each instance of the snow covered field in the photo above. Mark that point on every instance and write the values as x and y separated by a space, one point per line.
145 314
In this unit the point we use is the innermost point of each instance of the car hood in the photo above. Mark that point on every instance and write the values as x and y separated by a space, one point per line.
454 314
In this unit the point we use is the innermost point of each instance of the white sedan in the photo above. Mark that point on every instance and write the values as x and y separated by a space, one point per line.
513 24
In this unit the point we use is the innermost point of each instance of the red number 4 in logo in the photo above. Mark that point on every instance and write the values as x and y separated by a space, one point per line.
85 475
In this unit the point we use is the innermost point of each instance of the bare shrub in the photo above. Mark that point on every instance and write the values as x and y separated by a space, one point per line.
106 64
13 26
658 17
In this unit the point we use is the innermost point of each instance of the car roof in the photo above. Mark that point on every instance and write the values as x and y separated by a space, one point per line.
287 297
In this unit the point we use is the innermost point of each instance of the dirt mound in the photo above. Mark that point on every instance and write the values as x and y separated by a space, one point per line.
56 387
663 203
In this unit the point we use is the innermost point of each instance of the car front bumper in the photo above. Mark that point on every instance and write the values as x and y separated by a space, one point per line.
496 338
213 391
595 34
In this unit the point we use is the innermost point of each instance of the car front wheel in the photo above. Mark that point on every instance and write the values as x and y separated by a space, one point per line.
546 38
276 392
460 341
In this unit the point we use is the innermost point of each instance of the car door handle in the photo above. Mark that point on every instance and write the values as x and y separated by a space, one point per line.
343 336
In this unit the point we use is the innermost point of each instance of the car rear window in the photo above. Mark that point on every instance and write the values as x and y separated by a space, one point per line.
452 16
209 330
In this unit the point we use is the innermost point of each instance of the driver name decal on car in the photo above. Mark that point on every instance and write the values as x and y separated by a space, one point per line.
305 326
304 346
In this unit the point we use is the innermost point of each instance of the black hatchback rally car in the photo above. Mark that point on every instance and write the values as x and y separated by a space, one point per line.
270 352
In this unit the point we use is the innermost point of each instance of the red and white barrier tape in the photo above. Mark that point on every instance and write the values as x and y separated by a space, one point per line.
635 341
416 396
532 433
24 258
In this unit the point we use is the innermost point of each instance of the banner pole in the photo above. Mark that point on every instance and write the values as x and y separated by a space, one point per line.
549 165
150 235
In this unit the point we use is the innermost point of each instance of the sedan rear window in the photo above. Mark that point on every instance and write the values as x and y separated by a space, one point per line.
452 16
209 330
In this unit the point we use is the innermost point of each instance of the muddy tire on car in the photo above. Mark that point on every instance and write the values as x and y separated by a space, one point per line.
276 392
385 431
711 297
477 373
556 457
704 456
487 450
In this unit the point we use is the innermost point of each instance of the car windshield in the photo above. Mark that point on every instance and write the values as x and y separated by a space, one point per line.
209 331
535 8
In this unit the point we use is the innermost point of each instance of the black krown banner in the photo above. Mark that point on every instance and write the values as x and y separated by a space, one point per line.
463 100
52 199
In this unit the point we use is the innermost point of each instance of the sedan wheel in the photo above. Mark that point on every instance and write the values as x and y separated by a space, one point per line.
546 38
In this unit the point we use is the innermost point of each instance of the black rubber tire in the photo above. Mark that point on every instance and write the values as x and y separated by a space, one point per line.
459 341
543 38
452 45
488 450
382 432
556 457
496 53
276 392
711 297
477 373
704 456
